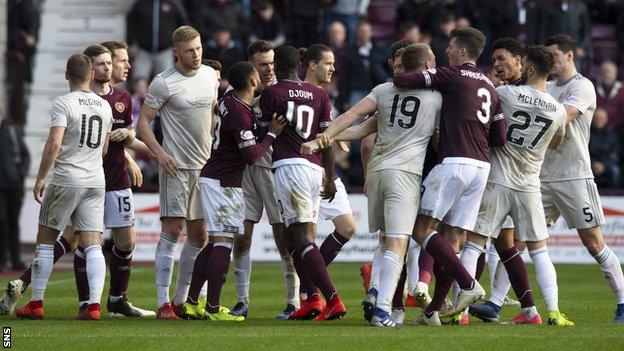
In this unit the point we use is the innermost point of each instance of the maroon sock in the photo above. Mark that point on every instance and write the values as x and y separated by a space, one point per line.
313 262
331 247
397 300
80 271
61 247
480 266
200 274
218 261
445 256
518 276
306 285
442 286
425 267
120 265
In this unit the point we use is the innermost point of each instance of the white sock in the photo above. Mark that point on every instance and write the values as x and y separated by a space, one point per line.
530 311
492 260
610 266
500 285
546 277
242 275
96 272
164 267
189 252
456 291
204 291
391 266
412 266
291 281
470 256
376 267
42 268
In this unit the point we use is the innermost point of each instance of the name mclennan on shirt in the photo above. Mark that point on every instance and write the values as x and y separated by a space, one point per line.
536 101
89 102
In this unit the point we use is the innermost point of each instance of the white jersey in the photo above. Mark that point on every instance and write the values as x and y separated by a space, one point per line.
405 123
571 159
185 105
87 119
533 117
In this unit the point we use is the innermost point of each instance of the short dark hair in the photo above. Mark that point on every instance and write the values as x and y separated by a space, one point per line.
403 43
470 39
78 68
510 44
239 73
214 64
564 42
287 59
114 45
95 50
258 46
314 53
413 57
541 58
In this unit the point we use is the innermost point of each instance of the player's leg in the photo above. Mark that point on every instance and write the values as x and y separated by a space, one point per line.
242 268
218 264
339 211
291 279
195 241
88 220
53 216
376 223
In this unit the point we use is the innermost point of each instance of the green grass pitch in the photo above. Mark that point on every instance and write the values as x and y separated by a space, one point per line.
583 293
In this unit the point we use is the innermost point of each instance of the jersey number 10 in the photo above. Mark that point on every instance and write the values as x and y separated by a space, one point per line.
302 117
91 129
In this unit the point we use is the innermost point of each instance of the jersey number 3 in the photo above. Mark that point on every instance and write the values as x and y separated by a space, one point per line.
302 117
89 130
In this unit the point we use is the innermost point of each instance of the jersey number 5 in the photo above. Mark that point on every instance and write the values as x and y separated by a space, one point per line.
301 116
89 134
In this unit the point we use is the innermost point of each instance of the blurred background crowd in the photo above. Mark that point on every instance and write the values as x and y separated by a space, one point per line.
360 33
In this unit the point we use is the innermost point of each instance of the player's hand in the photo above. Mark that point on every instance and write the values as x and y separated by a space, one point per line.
167 162
135 173
277 124
38 190
323 140
309 148
329 189
344 146
119 134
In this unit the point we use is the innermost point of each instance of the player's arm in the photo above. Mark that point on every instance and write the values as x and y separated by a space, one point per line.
252 151
363 108
498 128
366 149
106 143
158 93
579 100
557 138
431 78
360 131
135 171
329 161
125 134
139 146
50 153
572 113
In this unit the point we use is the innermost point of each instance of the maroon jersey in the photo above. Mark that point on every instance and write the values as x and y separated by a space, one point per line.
308 111
234 144
472 118
114 164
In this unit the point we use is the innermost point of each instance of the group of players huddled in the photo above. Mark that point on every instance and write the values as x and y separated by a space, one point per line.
511 142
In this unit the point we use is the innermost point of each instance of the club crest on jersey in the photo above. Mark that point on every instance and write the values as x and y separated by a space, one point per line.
120 107
432 70
246 135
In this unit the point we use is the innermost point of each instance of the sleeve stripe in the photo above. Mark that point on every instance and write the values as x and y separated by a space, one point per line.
263 124
325 124
247 143
427 78
498 117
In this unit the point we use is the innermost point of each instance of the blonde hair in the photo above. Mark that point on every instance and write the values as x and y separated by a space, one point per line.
184 34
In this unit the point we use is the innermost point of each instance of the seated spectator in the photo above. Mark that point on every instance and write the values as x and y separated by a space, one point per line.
440 38
228 14
417 11
604 150
610 94
337 41
223 49
347 12
266 25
